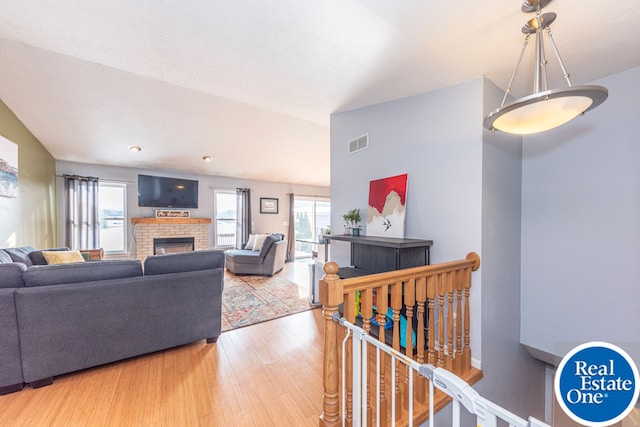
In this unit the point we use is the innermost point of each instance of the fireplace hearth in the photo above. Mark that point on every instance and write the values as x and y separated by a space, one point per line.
171 245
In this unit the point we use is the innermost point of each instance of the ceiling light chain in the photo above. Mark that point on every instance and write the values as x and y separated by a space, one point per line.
515 70
566 75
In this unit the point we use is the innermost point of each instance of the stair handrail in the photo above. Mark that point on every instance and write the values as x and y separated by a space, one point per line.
332 292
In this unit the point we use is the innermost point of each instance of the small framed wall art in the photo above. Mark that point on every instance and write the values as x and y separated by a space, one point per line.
387 206
268 205
8 168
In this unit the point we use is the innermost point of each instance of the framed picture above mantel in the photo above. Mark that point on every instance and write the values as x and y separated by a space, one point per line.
268 205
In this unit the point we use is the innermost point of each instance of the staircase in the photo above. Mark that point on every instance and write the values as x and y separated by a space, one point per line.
421 315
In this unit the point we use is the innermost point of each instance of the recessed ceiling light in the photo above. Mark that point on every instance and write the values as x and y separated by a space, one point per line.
135 148
207 158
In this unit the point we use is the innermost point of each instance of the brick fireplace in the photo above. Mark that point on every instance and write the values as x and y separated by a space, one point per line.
148 229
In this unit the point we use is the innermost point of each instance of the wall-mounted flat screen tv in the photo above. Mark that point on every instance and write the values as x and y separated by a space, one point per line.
164 192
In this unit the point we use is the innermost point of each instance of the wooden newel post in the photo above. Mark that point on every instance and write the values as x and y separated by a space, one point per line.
331 296
466 286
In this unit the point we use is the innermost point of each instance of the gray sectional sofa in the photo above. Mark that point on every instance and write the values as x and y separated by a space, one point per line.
56 319
268 260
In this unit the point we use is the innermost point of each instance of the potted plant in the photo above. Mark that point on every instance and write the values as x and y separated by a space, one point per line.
351 219
326 231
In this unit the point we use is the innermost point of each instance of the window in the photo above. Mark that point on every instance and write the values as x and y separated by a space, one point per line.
312 217
225 208
112 198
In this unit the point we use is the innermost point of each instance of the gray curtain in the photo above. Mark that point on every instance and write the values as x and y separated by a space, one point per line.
243 222
82 227
291 243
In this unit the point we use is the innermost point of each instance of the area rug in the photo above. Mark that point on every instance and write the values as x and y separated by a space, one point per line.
247 300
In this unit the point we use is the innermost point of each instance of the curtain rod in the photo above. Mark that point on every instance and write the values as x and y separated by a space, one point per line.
105 179
213 187
308 195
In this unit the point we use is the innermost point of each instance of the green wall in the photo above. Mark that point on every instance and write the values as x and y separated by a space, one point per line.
30 218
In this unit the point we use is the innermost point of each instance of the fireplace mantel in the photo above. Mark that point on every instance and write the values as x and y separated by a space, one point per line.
171 220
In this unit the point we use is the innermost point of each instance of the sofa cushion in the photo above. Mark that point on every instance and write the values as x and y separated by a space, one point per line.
11 274
44 275
183 261
62 257
37 258
4 257
266 246
11 377
243 256
20 254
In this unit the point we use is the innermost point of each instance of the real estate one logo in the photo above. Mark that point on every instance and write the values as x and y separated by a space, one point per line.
597 384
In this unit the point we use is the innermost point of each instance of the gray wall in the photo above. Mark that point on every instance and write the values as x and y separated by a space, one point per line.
434 138
262 223
503 357
464 193
30 218
581 227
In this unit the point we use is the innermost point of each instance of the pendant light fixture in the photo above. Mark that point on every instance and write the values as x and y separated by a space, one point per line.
546 108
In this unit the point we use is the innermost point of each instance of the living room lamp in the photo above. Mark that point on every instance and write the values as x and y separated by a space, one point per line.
546 108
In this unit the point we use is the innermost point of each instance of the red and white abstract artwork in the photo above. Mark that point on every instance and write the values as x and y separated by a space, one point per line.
387 206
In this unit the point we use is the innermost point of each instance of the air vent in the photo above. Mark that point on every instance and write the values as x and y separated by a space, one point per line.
358 144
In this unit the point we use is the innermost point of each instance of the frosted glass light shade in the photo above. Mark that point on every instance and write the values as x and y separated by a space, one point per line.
545 110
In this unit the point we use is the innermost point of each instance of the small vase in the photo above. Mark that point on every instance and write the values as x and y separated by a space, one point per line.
355 231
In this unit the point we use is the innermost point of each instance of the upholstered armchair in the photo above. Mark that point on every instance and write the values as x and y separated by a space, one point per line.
266 258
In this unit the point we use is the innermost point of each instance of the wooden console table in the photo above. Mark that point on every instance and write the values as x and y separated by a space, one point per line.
372 254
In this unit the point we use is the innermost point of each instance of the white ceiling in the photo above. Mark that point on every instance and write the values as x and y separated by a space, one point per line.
253 82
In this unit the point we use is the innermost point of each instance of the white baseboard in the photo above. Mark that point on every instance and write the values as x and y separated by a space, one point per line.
476 363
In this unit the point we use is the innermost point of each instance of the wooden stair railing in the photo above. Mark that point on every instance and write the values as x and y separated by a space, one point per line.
435 295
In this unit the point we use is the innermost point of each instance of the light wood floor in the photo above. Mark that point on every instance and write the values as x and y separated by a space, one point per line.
269 374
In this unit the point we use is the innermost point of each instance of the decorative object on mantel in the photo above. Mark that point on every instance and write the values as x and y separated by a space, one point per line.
351 219
152 220
8 168
387 206
545 108
164 213
268 205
